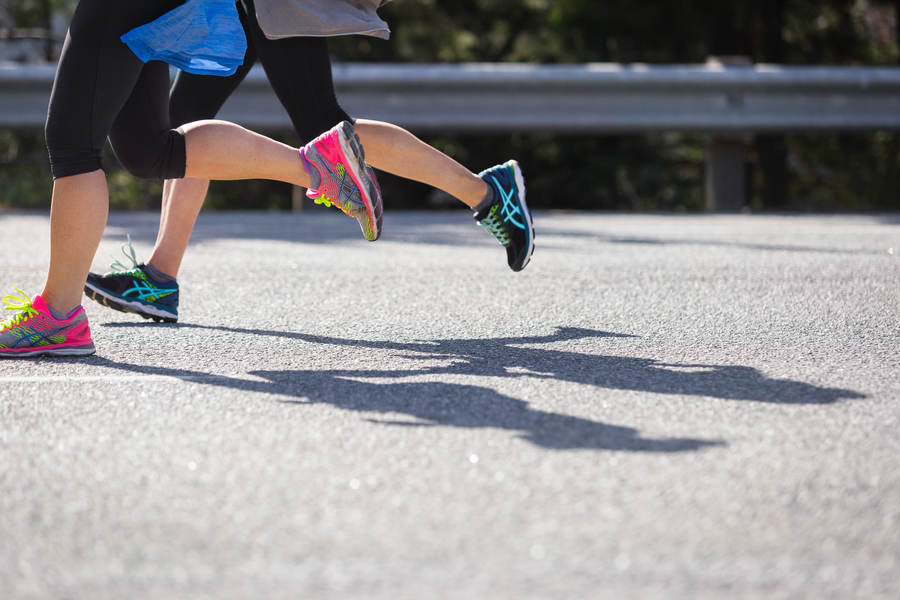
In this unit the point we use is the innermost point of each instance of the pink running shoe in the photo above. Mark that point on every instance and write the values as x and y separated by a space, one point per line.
34 331
340 176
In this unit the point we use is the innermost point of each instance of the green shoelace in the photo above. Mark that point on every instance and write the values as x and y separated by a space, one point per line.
495 227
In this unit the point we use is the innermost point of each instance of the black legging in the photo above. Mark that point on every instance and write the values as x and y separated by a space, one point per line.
103 90
298 68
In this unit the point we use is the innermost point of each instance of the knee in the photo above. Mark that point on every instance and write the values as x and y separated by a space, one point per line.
161 158
137 160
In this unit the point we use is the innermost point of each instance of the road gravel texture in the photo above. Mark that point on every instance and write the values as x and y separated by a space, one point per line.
659 406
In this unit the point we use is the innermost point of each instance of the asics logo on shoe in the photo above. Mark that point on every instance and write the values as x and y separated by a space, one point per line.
144 291
510 208
339 177
346 186
33 337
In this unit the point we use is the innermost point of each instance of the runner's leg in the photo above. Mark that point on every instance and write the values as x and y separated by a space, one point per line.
193 97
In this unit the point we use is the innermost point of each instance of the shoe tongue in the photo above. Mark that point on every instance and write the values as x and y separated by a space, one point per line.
38 304
481 211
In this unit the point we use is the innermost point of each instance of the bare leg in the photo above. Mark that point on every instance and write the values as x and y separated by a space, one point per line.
80 205
395 150
181 203
388 147
78 212
183 198
210 151
225 151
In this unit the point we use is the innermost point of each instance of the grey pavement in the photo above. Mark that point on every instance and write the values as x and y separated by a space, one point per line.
659 406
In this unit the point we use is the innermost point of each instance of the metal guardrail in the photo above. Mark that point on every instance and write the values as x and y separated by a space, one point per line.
726 101
588 98
625 98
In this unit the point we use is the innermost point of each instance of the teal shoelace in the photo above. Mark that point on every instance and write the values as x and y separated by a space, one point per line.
119 267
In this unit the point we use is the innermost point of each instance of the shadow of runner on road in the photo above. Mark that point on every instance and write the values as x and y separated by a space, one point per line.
462 405
432 404
505 357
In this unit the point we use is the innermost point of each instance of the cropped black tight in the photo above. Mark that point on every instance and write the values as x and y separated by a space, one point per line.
103 90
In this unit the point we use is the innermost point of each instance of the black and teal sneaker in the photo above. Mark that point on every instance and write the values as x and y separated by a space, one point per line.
134 290
507 217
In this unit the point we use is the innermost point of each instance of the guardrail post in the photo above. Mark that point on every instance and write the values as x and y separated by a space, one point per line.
726 174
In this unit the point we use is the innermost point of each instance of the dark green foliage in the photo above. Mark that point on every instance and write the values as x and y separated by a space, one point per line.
586 172
665 172
24 170
658 172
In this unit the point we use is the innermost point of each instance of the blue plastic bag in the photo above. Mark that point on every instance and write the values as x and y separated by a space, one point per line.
204 37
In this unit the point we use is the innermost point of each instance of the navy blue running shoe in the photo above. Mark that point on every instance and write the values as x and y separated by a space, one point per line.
134 290
507 217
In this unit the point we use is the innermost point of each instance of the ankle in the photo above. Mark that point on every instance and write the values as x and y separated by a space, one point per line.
486 201
159 274
59 310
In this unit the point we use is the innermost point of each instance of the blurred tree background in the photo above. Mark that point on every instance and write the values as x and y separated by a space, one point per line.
651 172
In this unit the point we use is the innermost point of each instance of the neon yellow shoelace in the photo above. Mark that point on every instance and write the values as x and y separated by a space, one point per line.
23 305
323 199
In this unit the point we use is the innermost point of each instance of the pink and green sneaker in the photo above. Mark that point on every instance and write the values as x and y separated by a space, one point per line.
340 176
35 332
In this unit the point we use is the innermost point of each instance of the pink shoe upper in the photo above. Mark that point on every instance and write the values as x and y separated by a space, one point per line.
336 179
40 330
344 179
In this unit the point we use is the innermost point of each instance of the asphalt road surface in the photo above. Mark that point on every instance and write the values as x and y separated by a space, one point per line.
659 406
